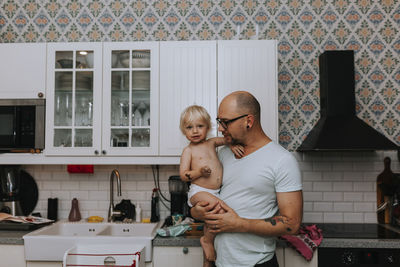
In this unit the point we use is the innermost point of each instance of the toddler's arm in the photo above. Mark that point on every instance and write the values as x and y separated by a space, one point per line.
238 150
186 173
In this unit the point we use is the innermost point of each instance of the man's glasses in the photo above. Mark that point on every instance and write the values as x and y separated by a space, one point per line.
225 123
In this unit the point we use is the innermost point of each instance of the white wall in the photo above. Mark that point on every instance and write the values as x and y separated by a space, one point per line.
338 187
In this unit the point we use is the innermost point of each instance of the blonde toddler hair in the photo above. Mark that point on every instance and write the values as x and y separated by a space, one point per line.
193 113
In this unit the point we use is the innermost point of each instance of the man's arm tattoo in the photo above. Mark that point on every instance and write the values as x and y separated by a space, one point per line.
275 219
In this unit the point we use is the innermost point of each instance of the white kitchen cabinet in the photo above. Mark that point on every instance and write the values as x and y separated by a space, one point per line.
177 257
187 77
12 255
130 98
204 72
22 70
294 259
251 66
73 102
102 99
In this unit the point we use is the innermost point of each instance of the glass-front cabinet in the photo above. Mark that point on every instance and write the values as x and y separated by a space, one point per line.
73 102
130 98
102 99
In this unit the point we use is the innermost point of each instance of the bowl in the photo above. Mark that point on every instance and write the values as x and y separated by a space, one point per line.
65 63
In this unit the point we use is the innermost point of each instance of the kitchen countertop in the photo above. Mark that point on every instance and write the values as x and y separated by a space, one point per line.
15 238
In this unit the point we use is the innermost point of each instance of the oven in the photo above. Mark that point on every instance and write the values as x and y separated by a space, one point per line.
368 256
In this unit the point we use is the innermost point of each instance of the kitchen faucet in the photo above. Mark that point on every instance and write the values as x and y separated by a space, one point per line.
111 212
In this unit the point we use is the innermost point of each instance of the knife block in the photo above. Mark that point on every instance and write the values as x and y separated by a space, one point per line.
385 190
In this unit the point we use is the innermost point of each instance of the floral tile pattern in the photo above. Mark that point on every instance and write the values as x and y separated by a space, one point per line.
304 28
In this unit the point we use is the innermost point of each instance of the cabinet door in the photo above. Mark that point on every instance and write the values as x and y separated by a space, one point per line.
73 104
187 77
44 264
177 257
251 66
293 258
22 70
130 98
12 255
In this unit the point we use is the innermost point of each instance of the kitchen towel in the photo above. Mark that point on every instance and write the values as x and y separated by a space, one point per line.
306 241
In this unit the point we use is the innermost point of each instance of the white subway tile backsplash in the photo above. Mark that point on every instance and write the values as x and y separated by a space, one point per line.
353 217
363 186
337 186
342 186
334 217
322 186
343 206
333 196
352 196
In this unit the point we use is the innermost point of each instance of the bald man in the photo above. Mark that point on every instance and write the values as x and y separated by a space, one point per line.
261 192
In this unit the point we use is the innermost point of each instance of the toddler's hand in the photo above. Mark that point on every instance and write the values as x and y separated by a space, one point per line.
238 150
205 171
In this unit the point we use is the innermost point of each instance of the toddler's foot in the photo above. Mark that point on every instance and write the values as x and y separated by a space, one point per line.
208 249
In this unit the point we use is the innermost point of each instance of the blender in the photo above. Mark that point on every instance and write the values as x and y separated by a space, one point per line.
178 190
10 189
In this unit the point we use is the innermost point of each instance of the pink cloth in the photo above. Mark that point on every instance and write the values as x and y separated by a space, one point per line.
306 242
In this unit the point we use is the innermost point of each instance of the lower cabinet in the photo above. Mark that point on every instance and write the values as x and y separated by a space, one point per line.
193 257
177 256
12 255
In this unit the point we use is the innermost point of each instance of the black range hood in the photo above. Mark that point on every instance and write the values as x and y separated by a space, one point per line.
339 128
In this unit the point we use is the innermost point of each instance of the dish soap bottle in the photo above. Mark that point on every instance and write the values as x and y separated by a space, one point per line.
74 214
155 206
138 212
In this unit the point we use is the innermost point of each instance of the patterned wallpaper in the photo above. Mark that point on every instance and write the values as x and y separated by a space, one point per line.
304 29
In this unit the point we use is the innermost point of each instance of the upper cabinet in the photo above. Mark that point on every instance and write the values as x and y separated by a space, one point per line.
73 102
188 76
102 99
22 70
116 102
251 66
130 98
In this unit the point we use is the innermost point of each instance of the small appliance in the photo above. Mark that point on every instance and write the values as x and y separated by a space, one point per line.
178 190
22 125
10 189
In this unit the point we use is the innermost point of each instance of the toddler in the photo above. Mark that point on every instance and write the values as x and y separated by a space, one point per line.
201 167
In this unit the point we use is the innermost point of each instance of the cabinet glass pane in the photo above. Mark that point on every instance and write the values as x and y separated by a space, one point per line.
84 99
64 60
140 108
140 80
62 137
120 59
140 138
119 137
141 59
120 98
84 59
83 138
63 99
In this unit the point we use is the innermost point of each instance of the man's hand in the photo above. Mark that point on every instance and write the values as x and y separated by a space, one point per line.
202 208
228 221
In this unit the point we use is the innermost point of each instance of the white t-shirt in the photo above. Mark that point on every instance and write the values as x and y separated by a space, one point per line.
249 187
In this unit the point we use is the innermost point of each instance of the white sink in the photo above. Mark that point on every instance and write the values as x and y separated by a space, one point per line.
50 243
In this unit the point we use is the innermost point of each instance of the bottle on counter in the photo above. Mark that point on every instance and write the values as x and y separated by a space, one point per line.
155 206
138 212
74 214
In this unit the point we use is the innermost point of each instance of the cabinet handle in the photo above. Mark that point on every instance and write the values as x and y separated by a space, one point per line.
104 152
185 250
96 152
40 94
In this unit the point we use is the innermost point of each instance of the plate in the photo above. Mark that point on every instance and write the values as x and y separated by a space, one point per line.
29 193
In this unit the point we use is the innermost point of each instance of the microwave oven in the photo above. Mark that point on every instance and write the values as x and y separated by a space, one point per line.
22 125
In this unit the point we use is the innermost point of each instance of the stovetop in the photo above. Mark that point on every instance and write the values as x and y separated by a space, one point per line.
357 231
